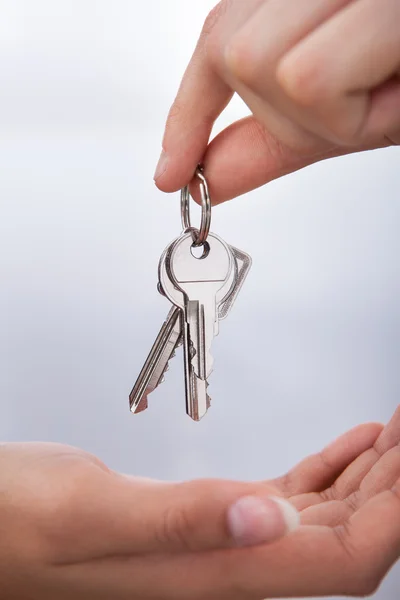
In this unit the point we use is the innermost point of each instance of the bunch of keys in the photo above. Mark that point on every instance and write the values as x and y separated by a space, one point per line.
202 290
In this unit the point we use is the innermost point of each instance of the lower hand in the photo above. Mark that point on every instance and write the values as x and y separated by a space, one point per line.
72 529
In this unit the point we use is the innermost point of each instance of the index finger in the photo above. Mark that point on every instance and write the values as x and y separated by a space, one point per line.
202 96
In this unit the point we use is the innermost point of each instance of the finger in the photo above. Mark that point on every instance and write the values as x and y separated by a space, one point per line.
328 514
319 471
382 476
246 156
254 56
202 96
350 480
370 538
390 435
352 477
115 516
334 69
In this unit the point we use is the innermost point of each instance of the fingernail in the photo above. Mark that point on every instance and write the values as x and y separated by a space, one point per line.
253 520
161 166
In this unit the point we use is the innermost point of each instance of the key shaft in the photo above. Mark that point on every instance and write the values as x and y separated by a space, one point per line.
157 361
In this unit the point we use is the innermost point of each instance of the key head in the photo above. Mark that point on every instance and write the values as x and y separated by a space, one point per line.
215 265
169 287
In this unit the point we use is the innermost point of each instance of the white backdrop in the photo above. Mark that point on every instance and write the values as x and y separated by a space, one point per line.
312 345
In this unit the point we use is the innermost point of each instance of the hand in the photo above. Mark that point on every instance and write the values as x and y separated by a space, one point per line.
349 502
72 529
321 78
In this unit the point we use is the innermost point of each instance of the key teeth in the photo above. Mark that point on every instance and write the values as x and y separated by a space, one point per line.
210 364
208 398
163 374
162 378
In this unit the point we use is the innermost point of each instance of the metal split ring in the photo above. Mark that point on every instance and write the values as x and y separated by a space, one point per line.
201 237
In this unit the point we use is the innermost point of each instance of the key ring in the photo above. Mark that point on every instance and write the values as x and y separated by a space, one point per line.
201 237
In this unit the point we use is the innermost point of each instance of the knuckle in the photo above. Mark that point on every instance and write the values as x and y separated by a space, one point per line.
240 62
176 528
214 16
210 36
353 501
303 78
344 127
175 113
56 516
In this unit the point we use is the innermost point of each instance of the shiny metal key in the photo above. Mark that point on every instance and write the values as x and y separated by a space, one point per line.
197 397
205 282
203 291
152 373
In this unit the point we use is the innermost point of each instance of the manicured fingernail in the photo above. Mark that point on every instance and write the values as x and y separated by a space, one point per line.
253 520
161 166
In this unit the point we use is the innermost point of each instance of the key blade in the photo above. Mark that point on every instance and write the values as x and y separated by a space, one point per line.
197 398
200 400
201 316
168 354
157 361
196 320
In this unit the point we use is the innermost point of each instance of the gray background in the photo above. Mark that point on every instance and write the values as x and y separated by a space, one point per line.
312 345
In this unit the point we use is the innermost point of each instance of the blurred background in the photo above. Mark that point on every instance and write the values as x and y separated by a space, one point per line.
312 345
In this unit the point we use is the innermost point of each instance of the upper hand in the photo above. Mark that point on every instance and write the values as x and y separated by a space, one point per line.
321 78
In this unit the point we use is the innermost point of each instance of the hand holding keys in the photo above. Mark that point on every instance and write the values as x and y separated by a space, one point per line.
202 291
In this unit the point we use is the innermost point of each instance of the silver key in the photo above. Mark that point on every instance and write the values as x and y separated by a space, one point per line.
205 282
197 397
203 291
152 373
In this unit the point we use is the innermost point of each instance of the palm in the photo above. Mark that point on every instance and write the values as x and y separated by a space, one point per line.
330 487
348 498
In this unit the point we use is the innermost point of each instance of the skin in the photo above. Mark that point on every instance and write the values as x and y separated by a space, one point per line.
72 528
321 78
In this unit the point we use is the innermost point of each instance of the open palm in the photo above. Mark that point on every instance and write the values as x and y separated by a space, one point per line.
349 501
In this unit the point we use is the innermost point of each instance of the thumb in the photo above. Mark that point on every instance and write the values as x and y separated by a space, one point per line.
245 156
121 515
204 515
